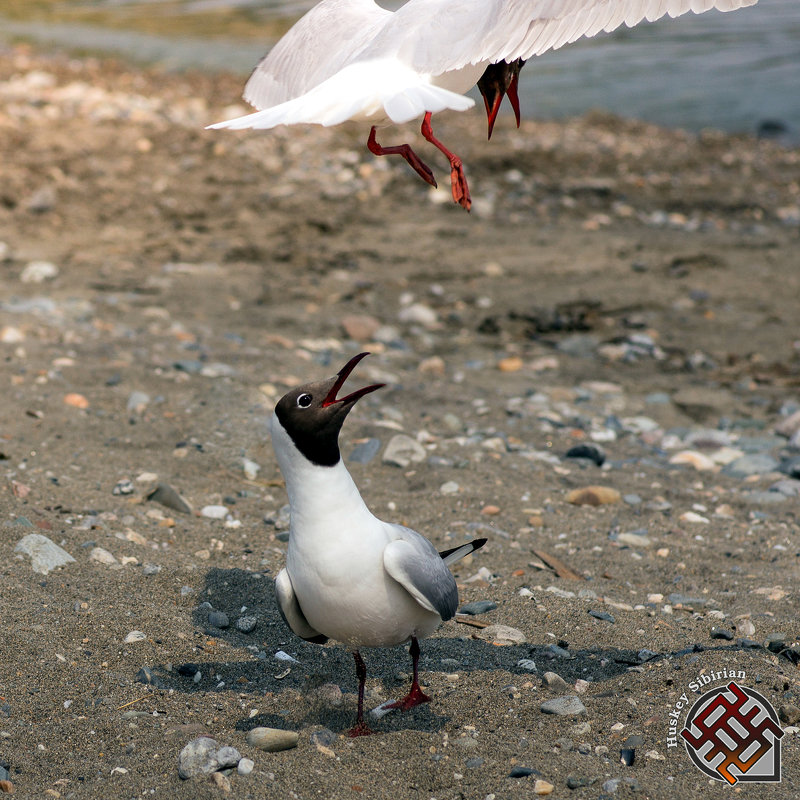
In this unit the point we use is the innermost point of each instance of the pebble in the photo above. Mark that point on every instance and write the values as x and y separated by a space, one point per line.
218 619
722 633
214 512
604 615
246 624
523 772
364 452
402 451
135 636
45 555
554 681
752 464
449 487
567 706
634 539
102 556
137 402
502 634
39 272
149 678
360 327
419 314
695 459
789 713
590 452
203 756
272 740
528 664
76 400
245 766
123 487
593 496
168 497
478 607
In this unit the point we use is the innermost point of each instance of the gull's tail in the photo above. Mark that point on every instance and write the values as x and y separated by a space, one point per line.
457 553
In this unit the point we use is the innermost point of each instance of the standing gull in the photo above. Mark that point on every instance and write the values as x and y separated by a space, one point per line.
353 60
349 576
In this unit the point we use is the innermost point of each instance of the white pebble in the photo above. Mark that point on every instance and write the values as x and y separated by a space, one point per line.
38 272
214 512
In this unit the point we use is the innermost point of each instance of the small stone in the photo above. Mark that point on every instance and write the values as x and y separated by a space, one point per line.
45 554
593 496
214 512
745 627
123 487
364 452
149 678
245 766
218 619
449 487
221 781
478 607
510 364
419 314
135 636
567 706
789 713
102 556
38 272
579 781
722 633
11 335
360 327
203 756
542 787
694 518
522 772
554 681
590 452
434 365
694 459
604 615
502 634
246 624
168 497
633 539
76 400
272 740
326 737
402 451
528 664
137 402
751 464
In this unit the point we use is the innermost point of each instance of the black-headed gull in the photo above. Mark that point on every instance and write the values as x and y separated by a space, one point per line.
350 576
353 60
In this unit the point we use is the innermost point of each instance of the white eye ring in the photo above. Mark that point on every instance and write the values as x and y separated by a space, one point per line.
304 401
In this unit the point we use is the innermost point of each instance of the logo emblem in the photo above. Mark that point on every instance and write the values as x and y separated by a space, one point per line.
732 734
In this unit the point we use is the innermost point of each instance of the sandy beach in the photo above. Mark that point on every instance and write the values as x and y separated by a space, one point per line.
620 292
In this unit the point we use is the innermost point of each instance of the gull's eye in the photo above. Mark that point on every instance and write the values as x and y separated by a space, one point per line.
304 401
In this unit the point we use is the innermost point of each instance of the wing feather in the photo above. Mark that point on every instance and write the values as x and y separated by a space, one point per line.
438 36
291 612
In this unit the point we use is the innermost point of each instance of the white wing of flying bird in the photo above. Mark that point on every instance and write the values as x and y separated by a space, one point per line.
352 60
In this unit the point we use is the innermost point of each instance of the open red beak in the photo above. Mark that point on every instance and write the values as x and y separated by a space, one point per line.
341 377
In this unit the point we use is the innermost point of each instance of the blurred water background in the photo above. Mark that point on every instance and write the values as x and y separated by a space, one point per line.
738 72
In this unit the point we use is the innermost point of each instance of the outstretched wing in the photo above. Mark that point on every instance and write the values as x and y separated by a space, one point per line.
414 563
319 44
291 612
437 36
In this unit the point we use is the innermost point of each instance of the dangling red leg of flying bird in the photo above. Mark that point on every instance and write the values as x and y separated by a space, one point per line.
498 80
458 181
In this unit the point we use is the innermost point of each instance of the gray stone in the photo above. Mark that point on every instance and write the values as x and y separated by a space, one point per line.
137 402
203 755
752 464
45 554
402 451
722 633
676 599
272 740
218 619
604 615
364 452
245 766
789 714
246 624
477 607
167 496
567 706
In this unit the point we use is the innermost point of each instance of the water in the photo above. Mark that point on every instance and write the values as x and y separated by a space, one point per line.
728 71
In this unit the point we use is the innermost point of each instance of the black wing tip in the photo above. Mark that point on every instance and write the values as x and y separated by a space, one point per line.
478 543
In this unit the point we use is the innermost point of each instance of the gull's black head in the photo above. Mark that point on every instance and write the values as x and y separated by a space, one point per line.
313 415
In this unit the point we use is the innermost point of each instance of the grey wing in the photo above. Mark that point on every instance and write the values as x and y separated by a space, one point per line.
320 43
437 36
292 613
414 563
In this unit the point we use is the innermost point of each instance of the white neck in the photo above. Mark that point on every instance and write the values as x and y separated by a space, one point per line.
316 493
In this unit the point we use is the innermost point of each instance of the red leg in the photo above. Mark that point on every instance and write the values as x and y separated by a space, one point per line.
415 696
458 180
360 728
422 169
513 96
